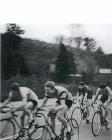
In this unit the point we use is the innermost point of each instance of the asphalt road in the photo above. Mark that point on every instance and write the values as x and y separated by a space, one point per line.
85 132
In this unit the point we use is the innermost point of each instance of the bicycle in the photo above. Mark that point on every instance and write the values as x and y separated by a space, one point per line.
79 112
99 120
11 123
47 130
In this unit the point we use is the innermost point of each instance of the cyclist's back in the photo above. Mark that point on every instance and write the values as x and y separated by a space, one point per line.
63 93
24 91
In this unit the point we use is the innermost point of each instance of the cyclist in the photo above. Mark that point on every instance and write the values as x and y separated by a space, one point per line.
84 92
63 103
29 100
106 98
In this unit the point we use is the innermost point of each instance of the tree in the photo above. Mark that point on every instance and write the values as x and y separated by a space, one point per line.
90 44
12 61
72 65
99 51
60 39
64 63
14 28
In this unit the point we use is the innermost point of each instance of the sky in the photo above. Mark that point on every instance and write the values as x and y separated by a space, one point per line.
44 19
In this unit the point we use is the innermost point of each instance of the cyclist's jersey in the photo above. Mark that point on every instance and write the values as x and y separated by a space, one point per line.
104 93
61 93
28 93
84 90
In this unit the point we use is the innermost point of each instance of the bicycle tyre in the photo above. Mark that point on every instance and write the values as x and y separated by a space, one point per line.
109 119
5 134
74 129
42 133
95 133
77 115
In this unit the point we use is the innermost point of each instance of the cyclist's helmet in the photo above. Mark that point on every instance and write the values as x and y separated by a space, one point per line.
14 87
102 85
81 83
50 84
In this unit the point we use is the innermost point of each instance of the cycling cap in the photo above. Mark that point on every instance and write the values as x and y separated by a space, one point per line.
50 84
15 86
81 83
102 85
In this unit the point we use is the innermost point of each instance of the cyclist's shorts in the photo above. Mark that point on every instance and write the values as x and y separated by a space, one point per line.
89 96
68 103
104 99
35 103
52 114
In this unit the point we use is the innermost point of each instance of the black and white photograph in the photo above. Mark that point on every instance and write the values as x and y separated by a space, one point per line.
56 70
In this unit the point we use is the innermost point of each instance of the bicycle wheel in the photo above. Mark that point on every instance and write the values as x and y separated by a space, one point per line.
91 109
8 130
109 119
42 133
96 123
74 129
77 114
36 133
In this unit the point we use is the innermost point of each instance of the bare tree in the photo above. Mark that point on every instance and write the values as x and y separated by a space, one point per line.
75 38
90 44
59 39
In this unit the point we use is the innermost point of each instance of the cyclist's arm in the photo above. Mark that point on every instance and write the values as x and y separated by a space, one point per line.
43 103
85 97
22 104
8 99
110 94
82 99
97 94
77 94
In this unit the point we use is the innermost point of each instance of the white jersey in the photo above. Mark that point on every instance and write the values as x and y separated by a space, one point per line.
28 93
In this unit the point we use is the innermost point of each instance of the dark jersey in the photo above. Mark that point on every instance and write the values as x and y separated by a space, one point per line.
84 90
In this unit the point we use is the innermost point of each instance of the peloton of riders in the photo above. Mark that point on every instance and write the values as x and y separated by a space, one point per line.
29 100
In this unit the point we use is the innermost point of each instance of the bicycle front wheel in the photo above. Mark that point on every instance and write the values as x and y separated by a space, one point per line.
96 123
41 133
108 126
8 130
77 114
74 129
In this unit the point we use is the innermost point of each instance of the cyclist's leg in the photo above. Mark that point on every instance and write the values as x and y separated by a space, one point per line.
52 116
60 115
104 103
22 119
88 108
27 110
106 110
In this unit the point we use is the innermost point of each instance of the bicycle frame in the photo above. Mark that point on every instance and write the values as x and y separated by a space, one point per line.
62 129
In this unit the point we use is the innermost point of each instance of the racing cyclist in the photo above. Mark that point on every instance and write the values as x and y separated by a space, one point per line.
29 101
63 102
84 92
106 98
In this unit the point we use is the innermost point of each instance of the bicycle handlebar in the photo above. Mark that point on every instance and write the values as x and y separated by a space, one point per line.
6 109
